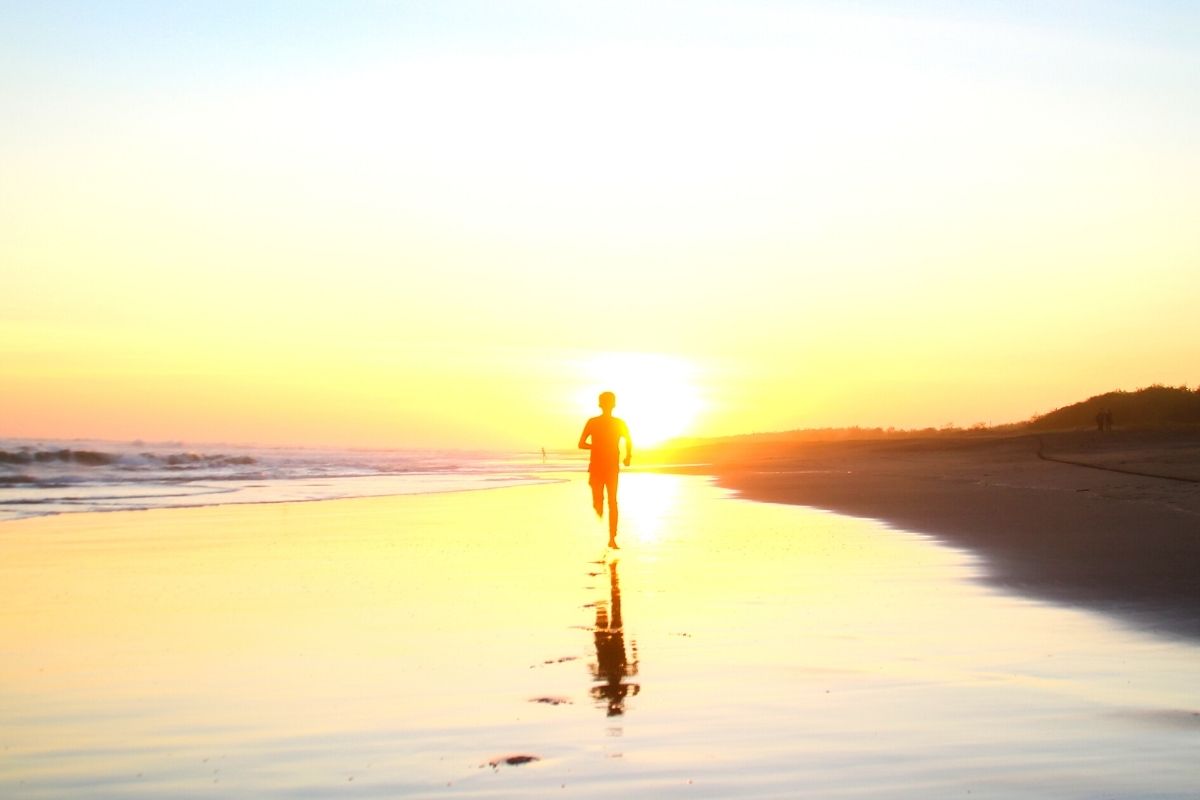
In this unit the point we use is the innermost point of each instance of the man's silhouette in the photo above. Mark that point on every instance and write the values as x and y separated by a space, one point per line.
605 433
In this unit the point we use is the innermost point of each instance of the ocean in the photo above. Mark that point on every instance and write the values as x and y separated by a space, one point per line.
39 477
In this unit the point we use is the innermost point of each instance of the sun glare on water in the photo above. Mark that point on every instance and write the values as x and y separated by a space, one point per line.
656 394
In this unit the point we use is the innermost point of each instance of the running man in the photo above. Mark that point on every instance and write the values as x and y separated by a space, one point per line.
605 433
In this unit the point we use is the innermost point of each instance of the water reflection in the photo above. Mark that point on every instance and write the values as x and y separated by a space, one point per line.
612 666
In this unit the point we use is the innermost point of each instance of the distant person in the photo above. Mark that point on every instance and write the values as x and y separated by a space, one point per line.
1100 420
1108 419
602 435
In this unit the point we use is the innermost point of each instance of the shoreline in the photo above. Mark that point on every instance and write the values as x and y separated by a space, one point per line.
399 646
286 492
1107 523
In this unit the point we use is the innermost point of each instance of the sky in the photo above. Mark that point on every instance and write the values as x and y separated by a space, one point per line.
451 224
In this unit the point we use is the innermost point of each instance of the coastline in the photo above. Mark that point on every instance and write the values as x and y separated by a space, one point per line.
1105 522
483 644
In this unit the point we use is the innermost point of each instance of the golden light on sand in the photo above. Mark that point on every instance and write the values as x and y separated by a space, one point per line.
657 394
648 502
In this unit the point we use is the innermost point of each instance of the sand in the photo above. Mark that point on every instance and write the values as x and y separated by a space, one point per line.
1106 521
487 644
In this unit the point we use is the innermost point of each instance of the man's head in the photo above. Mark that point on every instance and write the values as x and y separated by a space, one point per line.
608 401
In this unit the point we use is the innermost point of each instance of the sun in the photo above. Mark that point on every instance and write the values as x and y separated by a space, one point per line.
656 394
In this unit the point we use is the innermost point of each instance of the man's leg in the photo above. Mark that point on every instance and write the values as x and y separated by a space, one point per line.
597 485
612 509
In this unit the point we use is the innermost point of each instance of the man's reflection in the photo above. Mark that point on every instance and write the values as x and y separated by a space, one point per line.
612 667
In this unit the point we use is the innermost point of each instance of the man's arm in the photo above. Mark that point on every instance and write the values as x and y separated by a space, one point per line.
628 443
584 444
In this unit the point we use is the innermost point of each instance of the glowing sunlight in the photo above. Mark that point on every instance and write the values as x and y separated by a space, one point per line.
465 399
656 394
648 501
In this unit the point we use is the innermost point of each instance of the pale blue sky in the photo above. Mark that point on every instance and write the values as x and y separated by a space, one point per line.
119 36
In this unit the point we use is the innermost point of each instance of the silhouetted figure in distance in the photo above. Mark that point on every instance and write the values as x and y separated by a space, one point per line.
1108 419
1099 420
602 435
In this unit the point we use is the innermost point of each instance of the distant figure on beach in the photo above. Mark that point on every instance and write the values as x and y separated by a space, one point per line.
605 433
1100 420
1108 419
543 455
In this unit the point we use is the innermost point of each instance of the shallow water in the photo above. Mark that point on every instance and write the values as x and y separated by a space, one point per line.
389 647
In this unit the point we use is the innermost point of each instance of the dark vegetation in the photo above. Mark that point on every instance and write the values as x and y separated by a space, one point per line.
1152 407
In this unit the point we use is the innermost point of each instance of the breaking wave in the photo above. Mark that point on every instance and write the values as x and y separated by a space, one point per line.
94 458
38 478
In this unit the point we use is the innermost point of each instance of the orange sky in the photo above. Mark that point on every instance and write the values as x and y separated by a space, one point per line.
403 228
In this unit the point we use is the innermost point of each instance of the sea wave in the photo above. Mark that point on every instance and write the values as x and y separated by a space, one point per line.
29 455
132 461
51 477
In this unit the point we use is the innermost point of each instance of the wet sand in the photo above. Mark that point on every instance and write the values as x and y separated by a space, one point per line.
1106 521
486 644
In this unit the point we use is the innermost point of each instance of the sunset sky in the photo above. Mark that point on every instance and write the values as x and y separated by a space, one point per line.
451 224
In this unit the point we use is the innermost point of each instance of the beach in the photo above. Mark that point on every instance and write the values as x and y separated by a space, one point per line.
486 644
1106 521
329 332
